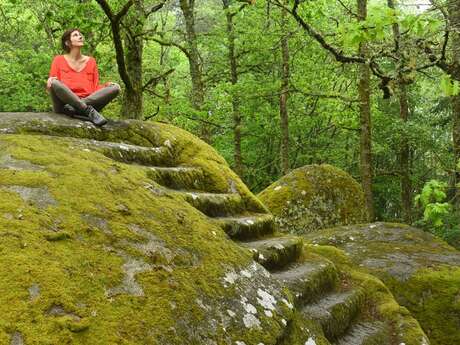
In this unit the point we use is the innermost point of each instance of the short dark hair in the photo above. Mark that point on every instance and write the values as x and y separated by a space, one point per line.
66 37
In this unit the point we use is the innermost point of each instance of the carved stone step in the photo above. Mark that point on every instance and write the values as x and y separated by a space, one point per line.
366 333
241 227
180 177
214 204
309 279
336 311
276 252
128 153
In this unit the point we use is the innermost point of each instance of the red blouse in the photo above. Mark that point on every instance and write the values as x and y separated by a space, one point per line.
82 83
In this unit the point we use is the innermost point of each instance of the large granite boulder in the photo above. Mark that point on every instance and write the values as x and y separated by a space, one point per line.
115 236
422 271
139 233
315 197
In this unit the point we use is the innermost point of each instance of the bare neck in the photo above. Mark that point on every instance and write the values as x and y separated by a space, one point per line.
75 54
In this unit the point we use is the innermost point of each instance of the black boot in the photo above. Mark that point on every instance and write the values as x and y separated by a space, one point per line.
94 116
69 110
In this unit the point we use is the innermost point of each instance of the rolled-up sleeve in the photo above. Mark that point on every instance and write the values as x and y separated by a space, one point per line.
55 70
96 85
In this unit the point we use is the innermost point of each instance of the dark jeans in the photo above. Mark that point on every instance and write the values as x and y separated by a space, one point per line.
61 95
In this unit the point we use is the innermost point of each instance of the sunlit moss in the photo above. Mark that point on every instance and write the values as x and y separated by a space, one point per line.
314 197
75 264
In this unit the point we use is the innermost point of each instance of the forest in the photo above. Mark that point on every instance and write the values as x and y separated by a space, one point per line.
369 86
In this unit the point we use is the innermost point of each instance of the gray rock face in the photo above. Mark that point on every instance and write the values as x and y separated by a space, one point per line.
8 162
17 339
422 271
34 292
38 196
397 249
368 333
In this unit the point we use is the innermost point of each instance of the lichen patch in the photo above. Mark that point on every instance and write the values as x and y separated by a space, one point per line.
251 321
310 341
266 300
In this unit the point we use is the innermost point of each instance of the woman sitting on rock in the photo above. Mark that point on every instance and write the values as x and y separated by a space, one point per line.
74 82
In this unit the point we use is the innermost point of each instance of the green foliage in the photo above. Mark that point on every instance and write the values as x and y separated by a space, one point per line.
439 216
323 112
449 86
432 193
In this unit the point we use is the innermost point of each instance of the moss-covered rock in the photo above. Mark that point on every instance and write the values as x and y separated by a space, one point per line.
422 271
315 197
95 251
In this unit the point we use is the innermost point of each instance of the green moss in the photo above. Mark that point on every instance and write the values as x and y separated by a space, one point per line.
323 278
315 197
58 236
432 295
380 302
300 330
422 271
75 264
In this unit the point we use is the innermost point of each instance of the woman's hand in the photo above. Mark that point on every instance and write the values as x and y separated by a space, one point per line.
48 83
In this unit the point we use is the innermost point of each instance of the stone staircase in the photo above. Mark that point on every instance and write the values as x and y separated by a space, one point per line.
323 295
320 294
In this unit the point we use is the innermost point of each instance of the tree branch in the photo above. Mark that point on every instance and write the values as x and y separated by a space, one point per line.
349 11
117 41
338 54
155 8
172 44
156 79
123 11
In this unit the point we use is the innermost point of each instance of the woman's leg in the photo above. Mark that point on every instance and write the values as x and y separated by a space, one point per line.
61 95
102 97
58 105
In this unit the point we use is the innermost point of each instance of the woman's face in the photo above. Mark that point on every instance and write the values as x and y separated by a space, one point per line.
76 39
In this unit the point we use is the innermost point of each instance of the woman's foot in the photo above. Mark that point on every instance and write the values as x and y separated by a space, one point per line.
69 110
94 116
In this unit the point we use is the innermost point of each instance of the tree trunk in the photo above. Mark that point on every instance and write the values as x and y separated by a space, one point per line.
132 105
284 94
404 150
187 8
404 158
454 14
237 156
164 52
365 120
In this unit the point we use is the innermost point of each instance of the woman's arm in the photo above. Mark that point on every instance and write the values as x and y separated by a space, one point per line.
54 72
96 85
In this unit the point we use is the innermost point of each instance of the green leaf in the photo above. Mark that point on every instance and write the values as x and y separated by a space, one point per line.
446 85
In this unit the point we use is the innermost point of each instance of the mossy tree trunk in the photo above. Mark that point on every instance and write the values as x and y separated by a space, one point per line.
365 119
404 149
404 157
233 66
454 14
128 50
456 143
284 93
193 56
132 104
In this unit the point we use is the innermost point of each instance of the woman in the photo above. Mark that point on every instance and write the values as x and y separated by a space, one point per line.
74 82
